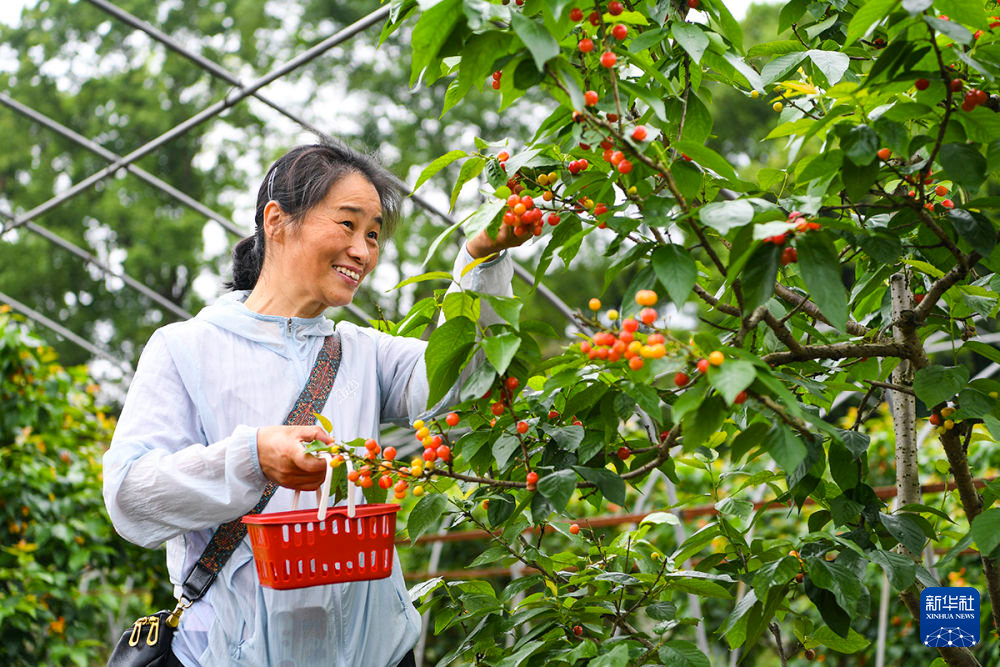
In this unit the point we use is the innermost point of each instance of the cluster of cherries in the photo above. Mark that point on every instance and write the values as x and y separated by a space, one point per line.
790 255
606 346
496 79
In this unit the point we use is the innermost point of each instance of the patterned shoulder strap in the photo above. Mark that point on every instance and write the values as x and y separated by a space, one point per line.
229 535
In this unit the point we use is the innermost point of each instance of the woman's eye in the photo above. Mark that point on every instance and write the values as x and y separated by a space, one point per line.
348 223
373 235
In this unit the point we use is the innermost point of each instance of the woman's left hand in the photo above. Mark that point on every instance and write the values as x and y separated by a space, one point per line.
482 244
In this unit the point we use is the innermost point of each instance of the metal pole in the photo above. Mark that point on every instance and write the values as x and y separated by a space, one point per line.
201 117
110 156
32 314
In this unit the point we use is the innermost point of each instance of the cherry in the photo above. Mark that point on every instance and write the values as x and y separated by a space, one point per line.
947 203
883 154
553 414
443 452
385 481
800 577
389 453
512 383
532 480
620 31
625 166
702 365
452 419
575 529
608 59
918 298
693 4
430 454
577 629
789 256
740 397
636 363
616 157
681 379
586 45
648 315
940 191
600 209
594 18
955 85
630 325
522 427
639 133
553 219
576 15
615 8
612 117
716 358
497 408
594 304
624 453
922 84
590 98
646 297
810 654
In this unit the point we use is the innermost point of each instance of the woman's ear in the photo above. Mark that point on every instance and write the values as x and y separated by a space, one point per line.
273 218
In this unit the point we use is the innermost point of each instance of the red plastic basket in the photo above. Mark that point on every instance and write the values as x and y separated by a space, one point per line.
295 550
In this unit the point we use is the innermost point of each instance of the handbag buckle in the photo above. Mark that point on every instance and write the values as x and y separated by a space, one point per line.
154 631
133 639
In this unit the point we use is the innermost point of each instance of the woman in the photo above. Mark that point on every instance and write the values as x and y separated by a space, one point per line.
199 438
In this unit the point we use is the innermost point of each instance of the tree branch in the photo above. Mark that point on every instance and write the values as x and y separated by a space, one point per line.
812 310
838 351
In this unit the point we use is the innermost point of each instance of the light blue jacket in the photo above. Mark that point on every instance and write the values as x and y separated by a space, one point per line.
183 460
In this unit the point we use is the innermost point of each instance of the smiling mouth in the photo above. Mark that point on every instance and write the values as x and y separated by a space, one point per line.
353 275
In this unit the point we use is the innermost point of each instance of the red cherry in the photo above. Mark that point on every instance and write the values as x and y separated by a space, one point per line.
497 408
918 298
576 14
430 454
532 478
693 4
624 453
616 157
389 453
594 18
922 84
636 363
600 209
452 419
586 45
681 379
625 166
789 256
883 154
955 85
615 8
947 203
443 452
620 31
630 325
648 315
574 529
934 419
608 59
612 117
553 219
512 383
553 414
639 133
590 98
522 427
496 84
740 397
703 365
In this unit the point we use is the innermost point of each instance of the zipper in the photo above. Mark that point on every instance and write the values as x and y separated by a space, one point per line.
289 328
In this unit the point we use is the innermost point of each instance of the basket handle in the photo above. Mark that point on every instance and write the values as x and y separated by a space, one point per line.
323 492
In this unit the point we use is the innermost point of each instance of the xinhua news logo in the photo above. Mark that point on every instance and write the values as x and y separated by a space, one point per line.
949 617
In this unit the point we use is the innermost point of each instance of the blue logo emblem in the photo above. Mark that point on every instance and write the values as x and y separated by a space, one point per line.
949 617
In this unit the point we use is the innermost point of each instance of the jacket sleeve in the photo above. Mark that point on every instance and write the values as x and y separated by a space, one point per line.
160 478
402 374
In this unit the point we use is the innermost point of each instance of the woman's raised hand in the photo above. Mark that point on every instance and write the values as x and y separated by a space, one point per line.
284 460
482 244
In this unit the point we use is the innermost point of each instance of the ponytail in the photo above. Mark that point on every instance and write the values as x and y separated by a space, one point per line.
247 263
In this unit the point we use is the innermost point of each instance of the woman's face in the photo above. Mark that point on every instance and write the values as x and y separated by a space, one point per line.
323 260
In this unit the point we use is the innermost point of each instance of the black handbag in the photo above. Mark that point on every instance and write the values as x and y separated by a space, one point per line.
147 641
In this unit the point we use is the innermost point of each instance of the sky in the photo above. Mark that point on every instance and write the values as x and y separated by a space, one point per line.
10 10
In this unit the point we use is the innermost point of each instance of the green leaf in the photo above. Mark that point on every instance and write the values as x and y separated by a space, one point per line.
839 580
500 350
975 228
681 653
780 66
610 483
985 530
676 270
952 29
540 43
425 515
616 657
431 32
732 377
470 169
324 422
936 384
504 448
483 216
963 164
906 532
869 13
833 64
786 448
706 157
431 275
856 442
860 144
567 438
447 350
691 38
758 276
520 655
507 307
820 269
852 644
984 350
776 48
725 215
558 487
657 518
900 569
